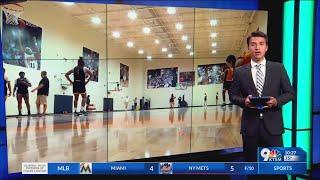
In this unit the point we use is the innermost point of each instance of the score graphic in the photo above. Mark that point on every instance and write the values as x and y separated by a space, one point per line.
151 168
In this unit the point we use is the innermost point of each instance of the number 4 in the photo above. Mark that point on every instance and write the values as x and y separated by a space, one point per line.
151 168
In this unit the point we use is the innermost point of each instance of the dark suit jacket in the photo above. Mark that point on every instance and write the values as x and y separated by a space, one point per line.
276 84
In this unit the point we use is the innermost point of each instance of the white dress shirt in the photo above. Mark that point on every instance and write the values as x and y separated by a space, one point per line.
254 70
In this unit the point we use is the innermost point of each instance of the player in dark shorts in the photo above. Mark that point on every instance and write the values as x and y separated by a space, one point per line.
79 84
22 84
205 100
172 101
228 76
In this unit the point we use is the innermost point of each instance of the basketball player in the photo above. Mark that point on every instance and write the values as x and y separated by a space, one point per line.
7 85
126 102
29 57
172 101
205 100
79 84
22 84
30 61
217 98
135 103
88 102
228 76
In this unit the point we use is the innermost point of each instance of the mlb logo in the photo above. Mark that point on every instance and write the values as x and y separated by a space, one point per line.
85 168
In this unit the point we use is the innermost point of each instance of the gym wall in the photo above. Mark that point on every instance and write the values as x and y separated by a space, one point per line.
62 38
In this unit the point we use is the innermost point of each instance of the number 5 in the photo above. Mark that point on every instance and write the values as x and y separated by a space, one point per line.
231 168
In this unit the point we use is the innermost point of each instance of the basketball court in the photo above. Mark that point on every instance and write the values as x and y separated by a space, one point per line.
118 136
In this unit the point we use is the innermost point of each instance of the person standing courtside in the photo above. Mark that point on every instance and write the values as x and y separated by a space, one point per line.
205 100
228 76
79 84
7 85
43 92
171 100
21 85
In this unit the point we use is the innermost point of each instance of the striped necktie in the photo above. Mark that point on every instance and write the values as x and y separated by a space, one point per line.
260 79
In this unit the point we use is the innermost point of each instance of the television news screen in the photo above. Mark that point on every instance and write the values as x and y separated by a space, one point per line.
126 111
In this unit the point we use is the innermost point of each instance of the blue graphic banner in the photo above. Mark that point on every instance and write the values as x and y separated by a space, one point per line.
239 168
271 160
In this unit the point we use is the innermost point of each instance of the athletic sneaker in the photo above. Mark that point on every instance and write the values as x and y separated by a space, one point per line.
84 112
29 113
76 113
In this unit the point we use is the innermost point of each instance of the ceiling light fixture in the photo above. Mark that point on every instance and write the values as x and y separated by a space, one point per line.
140 51
179 26
171 10
116 34
184 38
68 3
213 35
164 49
213 22
130 44
95 20
132 15
214 44
146 30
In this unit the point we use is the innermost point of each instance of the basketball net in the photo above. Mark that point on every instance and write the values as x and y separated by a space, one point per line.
12 13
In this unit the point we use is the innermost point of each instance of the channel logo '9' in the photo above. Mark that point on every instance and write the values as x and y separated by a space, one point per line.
270 155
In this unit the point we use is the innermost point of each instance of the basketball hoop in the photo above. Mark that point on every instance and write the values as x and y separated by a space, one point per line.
12 13
114 86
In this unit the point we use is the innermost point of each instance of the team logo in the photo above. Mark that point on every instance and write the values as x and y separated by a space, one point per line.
85 168
165 168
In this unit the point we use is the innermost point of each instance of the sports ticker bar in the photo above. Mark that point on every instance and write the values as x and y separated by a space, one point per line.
271 160
129 168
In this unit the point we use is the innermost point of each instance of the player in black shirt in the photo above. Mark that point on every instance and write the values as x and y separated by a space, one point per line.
43 93
79 84
22 84
205 100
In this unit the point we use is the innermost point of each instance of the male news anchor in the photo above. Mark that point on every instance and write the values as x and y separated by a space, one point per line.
259 78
